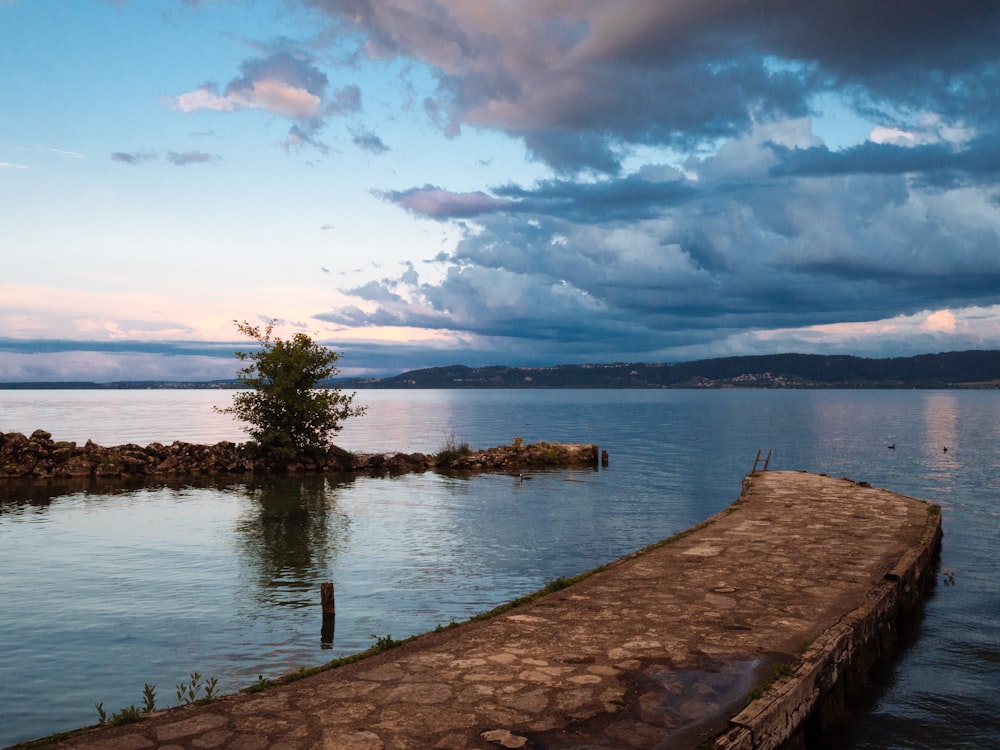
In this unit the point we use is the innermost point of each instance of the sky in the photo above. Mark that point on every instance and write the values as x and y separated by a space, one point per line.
418 183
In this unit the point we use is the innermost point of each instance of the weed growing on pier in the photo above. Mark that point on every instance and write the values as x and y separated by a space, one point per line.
131 713
556 584
191 692
383 643
126 716
777 672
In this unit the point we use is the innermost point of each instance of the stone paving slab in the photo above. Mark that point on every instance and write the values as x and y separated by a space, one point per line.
658 649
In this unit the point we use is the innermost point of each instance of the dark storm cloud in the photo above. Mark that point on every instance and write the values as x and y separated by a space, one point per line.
578 82
630 198
978 158
658 261
756 225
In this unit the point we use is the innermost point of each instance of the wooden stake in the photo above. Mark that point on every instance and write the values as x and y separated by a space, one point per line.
329 613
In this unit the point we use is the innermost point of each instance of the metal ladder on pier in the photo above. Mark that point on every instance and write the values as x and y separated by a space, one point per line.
766 459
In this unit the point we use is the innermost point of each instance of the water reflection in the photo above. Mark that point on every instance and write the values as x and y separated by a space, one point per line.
158 580
406 421
941 420
289 538
940 444
115 417
22 497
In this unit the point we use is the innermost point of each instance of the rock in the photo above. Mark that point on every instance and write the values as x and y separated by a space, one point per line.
38 457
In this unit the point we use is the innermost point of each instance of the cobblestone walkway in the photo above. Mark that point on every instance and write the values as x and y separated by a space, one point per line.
658 649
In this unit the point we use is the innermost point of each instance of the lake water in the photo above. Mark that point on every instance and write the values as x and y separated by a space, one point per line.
105 589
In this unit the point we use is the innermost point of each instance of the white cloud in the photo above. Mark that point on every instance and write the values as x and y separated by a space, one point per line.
937 330
940 321
271 96
895 136
928 128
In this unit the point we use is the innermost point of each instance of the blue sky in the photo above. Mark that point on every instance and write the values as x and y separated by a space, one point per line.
429 182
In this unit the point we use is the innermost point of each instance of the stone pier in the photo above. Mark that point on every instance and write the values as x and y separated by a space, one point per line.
750 630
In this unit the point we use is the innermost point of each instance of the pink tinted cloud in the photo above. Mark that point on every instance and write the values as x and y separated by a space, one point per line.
672 73
282 83
438 203
271 96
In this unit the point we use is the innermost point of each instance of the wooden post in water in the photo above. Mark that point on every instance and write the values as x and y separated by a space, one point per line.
329 613
604 458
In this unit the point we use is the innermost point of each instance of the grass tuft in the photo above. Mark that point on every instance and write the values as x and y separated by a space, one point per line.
777 672
451 451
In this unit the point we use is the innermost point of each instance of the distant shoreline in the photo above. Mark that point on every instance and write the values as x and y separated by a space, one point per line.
170 386
125 385
974 369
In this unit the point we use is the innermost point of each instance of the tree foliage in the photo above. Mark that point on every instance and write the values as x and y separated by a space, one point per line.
289 416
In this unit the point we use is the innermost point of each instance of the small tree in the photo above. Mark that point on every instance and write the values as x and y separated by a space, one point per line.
289 417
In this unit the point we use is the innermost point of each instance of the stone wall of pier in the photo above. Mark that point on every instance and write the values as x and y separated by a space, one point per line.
814 702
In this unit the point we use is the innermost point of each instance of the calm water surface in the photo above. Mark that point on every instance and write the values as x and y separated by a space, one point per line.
105 589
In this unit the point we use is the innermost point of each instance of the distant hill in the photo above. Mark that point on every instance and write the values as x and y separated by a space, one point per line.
970 369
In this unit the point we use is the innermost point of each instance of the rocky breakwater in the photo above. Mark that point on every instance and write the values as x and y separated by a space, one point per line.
38 456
